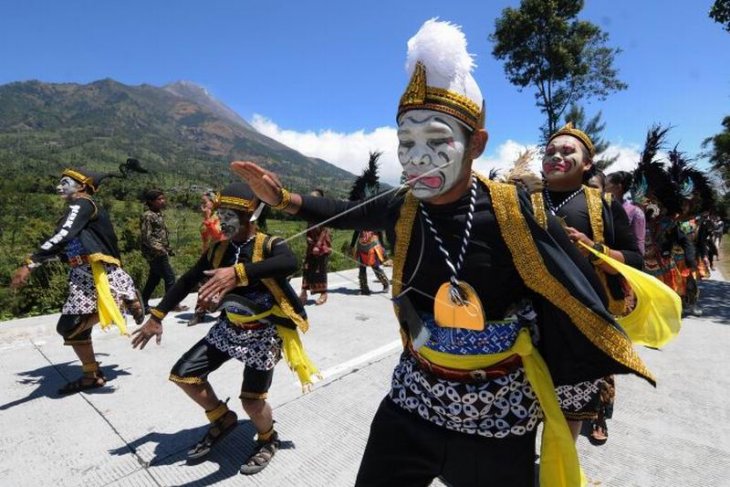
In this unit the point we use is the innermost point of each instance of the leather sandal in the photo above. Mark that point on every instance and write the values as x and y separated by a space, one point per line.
218 430
262 455
83 383
599 433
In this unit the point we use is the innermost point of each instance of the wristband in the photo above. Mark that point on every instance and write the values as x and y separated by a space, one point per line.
156 313
241 276
285 201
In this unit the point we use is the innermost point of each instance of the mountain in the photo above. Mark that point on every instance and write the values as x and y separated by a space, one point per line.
179 132
194 92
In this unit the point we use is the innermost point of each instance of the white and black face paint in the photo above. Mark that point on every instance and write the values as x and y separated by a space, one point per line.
431 149
68 187
230 223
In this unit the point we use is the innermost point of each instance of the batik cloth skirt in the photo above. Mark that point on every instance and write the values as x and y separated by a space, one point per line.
82 296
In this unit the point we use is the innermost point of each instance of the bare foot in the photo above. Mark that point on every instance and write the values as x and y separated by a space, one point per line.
322 299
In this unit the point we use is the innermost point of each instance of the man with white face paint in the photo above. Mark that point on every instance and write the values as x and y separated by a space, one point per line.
476 280
259 322
98 286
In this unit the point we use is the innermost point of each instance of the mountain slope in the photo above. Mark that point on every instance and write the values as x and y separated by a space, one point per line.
178 129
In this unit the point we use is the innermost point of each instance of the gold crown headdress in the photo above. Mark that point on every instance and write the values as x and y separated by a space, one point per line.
441 78
237 196
568 129
84 176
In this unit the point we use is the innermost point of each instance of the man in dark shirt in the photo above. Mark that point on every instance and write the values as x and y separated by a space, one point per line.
596 221
156 249
475 279
98 285
258 322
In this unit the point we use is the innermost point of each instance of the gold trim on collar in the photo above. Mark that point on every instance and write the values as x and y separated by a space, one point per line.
534 273
273 287
236 203
594 202
538 208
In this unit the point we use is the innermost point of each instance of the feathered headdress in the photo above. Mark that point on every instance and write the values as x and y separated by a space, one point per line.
651 180
440 69
93 179
693 184
367 184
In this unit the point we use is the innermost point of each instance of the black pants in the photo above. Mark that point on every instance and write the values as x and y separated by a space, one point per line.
405 450
204 358
160 268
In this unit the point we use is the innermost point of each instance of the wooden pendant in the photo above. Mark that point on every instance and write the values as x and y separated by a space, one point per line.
450 313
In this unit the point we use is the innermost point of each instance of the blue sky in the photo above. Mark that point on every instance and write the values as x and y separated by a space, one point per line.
325 76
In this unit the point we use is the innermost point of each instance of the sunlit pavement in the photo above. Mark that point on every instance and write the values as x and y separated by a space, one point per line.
136 430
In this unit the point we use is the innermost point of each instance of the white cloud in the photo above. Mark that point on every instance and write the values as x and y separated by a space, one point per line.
350 151
504 158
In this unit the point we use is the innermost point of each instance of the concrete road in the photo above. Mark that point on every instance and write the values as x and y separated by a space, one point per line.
136 430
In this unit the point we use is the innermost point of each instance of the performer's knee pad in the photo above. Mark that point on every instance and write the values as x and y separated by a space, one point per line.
69 327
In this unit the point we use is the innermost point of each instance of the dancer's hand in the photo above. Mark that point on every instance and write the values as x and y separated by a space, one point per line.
265 184
143 334
20 277
221 281
575 236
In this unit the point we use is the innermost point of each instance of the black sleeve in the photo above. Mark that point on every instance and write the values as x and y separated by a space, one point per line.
556 230
624 239
185 284
377 213
79 212
281 262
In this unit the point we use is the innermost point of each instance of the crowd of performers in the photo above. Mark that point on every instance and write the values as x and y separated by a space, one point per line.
506 293
678 204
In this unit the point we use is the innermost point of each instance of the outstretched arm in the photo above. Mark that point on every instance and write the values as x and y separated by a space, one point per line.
375 214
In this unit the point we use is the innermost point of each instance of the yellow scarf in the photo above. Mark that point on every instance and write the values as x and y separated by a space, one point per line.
292 348
106 305
657 317
559 465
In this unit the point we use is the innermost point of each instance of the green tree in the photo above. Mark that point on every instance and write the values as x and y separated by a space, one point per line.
719 153
564 59
593 127
720 13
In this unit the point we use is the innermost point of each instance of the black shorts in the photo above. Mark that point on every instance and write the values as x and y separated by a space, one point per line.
203 358
75 329
406 450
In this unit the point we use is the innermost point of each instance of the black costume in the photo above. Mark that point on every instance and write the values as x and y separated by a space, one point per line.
510 281
84 238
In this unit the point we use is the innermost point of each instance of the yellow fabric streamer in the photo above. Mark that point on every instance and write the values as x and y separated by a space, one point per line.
243 319
657 317
107 308
296 357
559 465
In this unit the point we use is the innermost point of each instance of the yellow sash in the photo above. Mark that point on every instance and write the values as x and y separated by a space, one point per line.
106 305
657 318
559 466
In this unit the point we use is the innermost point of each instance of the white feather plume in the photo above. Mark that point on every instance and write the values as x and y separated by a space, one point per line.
441 47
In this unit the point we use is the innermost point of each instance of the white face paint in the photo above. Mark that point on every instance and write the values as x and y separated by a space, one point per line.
230 224
68 187
431 149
